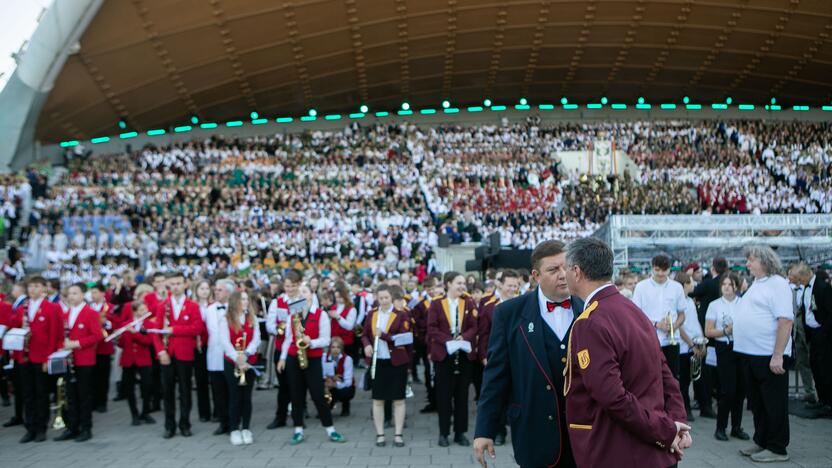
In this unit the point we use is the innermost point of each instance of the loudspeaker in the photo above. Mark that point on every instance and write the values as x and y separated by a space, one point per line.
494 243
473 265
444 240
480 252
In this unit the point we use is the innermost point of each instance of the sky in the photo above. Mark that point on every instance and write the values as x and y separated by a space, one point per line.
19 22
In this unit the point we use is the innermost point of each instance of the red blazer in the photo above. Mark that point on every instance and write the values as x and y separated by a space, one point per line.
136 349
439 326
107 349
620 393
484 319
88 332
182 341
5 319
46 332
399 322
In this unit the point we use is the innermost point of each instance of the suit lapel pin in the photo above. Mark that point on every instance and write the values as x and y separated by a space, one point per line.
531 327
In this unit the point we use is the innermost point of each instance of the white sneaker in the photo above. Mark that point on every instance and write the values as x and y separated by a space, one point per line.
236 438
248 437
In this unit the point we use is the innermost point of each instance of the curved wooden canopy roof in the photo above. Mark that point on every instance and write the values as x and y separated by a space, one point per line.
154 63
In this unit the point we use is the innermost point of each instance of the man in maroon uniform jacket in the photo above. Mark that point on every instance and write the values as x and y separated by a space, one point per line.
623 406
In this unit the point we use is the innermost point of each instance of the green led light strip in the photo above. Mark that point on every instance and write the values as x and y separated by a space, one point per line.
184 128
493 109
128 135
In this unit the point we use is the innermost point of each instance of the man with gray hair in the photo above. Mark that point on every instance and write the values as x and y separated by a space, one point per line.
762 337
623 404
223 289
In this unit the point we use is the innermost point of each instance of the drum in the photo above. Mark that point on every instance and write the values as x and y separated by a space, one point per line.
59 362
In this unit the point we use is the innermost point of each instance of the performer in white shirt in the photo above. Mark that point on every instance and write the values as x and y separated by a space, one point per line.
663 301
338 375
214 315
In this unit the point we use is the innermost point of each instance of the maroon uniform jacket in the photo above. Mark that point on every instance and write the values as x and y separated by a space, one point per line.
399 322
182 341
439 326
621 399
87 331
419 314
485 314
46 331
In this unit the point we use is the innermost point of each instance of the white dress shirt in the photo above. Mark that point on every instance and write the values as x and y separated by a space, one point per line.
755 321
176 305
73 314
657 300
328 367
559 319
213 315
33 309
722 311
691 326
348 322
225 338
811 321
588 300
381 327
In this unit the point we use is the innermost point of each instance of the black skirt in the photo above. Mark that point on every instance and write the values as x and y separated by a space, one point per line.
390 382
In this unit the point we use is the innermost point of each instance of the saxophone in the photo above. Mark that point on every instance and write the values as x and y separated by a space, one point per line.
240 346
297 327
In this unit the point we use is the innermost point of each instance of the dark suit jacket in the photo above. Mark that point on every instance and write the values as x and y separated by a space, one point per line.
517 376
622 401
706 292
822 295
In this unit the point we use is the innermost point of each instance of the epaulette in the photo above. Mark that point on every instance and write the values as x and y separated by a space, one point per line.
588 310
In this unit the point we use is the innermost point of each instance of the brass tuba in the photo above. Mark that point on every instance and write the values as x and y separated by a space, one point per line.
297 327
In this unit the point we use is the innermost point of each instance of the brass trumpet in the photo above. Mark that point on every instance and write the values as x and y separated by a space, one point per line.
297 326
672 337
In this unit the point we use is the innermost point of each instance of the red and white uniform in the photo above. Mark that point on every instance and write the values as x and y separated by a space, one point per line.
344 325
184 317
46 330
84 327
229 337
316 328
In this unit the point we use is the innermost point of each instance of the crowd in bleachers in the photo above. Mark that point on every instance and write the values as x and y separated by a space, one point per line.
377 197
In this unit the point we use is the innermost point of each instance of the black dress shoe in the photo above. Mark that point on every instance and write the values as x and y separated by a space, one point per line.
66 435
147 419
6 402
186 432
101 409
204 419
443 441
691 417
28 437
740 434
40 437
168 433
136 422
215 419
119 398
13 422
499 440
345 413
460 439
720 435
84 436
428 409
221 430
707 413
276 423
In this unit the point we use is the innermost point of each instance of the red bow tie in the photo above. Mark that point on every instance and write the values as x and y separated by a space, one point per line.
550 306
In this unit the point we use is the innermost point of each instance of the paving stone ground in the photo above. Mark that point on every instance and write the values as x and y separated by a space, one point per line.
119 445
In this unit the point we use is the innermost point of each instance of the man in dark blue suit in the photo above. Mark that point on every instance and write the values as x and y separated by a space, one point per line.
524 370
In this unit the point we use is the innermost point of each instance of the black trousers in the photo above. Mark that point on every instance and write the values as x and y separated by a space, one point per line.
15 376
731 372
476 377
684 378
452 394
301 380
820 360
343 396
671 354
5 377
239 398
80 398
219 392
180 371
103 367
421 355
128 386
35 389
203 397
156 374
284 394
768 397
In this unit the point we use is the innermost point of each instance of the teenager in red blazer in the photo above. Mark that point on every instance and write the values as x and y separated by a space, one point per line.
392 362
45 324
136 358
180 321
83 334
452 317
104 352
